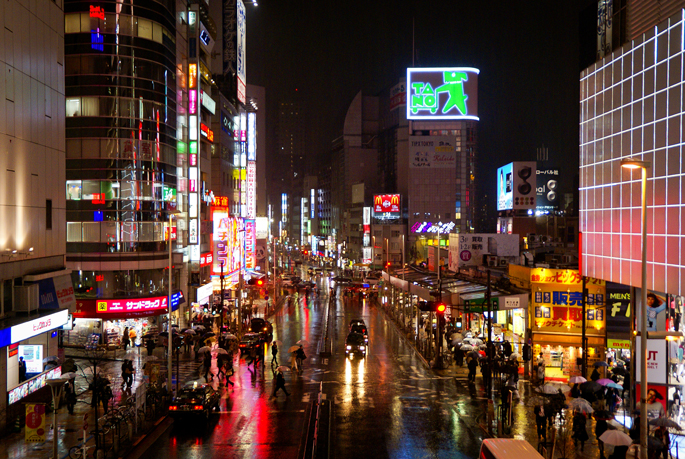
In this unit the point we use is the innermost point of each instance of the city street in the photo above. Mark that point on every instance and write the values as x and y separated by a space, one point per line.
387 403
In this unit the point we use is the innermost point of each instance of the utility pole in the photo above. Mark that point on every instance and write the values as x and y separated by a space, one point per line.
491 347
584 337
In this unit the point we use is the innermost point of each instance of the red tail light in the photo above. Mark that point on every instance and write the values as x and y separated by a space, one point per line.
173 408
198 407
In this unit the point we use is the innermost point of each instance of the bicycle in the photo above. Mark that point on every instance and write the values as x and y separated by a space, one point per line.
76 452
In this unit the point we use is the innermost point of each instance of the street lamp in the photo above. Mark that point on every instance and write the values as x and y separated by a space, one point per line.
630 163
56 386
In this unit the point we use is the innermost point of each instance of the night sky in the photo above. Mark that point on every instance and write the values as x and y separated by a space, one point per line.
527 53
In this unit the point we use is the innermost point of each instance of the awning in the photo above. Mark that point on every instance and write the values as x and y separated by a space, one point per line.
554 339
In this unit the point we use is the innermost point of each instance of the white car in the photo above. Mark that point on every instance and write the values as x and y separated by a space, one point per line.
286 280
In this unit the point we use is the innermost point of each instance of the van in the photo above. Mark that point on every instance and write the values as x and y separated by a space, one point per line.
507 448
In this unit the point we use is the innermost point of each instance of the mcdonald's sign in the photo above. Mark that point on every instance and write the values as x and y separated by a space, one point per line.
387 206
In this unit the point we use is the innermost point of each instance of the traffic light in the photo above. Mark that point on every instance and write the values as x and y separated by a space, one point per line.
387 265
434 306
256 281
439 307
259 282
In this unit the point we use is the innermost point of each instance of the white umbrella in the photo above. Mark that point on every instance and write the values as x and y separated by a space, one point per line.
204 349
477 341
303 342
293 348
466 347
190 331
219 351
616 438
580 404
283 368
151 357
552 388
457 338
577 379
230 336
514 356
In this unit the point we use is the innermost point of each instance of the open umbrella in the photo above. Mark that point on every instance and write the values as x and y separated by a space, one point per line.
150 335
52 358
219 350
208 335
199 327
204 349
604 381
293 348
514 356
466 347
590 386
457 338
283 368
303 342
577 379
70 375
616 438
553 388
151 357
621 371
229 336
601 363
664 422
537 401
278 342
613 385
580 404
190 331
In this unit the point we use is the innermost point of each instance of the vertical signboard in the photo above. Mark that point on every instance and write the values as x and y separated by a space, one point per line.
229 33
251 136
227 242
240 64
35 423
250 244
251 197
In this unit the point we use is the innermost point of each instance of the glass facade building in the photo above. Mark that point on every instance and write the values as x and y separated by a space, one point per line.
121 159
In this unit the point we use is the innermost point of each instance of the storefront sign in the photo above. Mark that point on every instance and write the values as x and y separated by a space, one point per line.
442 93
227 244
387 206
32 385
131 305
35 423
657 369
206 259
33 327
618 310
56 293
428 227
110 309
208 102
618 343
204 292
469 249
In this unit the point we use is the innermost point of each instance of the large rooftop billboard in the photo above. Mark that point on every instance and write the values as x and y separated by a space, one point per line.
442 93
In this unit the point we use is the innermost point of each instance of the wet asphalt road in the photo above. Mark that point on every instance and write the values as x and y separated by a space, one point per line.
385 405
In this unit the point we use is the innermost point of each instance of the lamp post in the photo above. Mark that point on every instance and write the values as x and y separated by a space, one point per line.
644 428
56 386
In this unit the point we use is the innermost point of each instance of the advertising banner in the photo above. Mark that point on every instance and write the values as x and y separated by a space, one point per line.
250 243
468 249
227 244
432 152
557 302
618 311
251 197
546 190
56 293
505 187
240 51
386 206
35 423
33 356
398 96
524 195
446 93
657 370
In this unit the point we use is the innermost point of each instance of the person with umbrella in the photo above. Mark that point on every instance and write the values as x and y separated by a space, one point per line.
208 365
70 394
280 383
580 429
540 372
293 358
595 376
300 356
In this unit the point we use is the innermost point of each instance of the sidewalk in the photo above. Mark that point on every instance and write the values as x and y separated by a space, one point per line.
523 425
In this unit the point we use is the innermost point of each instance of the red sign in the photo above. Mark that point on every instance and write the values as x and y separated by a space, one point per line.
99 277
386 203
13 349
173 233
220 201
207 132
98 198
206 259
132 305
97 12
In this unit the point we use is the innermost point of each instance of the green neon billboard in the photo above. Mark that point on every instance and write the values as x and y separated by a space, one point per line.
442 93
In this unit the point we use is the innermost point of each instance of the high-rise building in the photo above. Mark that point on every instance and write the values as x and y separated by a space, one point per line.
36 292
122 97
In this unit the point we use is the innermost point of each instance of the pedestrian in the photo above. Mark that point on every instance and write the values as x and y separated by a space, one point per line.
595 375
472 364
187 342
208 365
129 374
541 422
541 370
22 369
612 400
274 353
580 430
486 371
125 340
300 356
601 426
106 394
124 374
619 452
506 349
150 346
280 384
70 396
293 362
661 434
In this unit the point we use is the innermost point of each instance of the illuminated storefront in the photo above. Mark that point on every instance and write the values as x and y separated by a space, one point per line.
556 319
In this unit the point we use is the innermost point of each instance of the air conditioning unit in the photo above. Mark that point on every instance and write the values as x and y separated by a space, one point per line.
567 259
532 238
28 297
544 239
503 262
492 261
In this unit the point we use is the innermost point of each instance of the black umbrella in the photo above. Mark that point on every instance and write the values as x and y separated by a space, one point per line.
603 415
208 335
601 363
590 386
621 371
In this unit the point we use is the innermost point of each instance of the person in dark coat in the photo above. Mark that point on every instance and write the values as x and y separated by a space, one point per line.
125 339
619 452
150 346
106 395
580 430
208 365
541 422
600 427
22 369
459 356
472 364
70 395
274 353
595 375
506 349
280 384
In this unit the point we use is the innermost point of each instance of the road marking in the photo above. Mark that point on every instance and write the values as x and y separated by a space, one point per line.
305 398
324 361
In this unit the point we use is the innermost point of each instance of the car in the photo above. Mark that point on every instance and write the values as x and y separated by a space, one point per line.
286 280
362 330
249 341
263 328
310 271
195 399
357 322
318 271
354 344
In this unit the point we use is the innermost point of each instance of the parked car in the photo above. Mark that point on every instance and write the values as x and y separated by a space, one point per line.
195 400
354 344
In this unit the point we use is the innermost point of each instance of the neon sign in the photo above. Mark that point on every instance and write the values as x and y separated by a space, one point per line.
192 75
131 305
442 93
192 102
97 12
428 227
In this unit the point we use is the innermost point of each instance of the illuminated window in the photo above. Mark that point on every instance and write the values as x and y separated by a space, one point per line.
73 106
